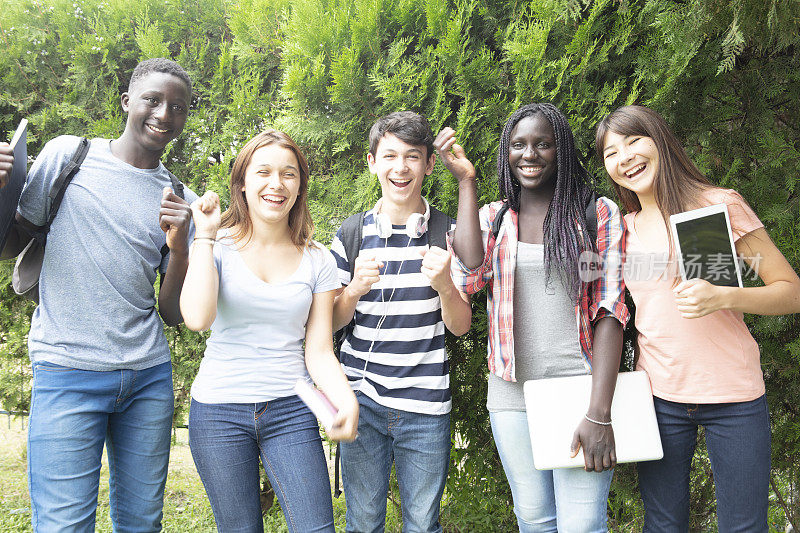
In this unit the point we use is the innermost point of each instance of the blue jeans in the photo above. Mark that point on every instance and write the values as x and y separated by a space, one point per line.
73 413
564 499
227 440
738 442
419 445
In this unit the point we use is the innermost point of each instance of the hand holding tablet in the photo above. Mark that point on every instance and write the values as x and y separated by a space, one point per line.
704 246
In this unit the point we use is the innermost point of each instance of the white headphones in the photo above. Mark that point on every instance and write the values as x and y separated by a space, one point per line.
416 225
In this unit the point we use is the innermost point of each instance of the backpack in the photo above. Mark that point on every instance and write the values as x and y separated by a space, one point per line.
28 268
351 237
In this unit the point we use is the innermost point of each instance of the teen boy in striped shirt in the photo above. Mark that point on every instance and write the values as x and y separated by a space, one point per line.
401 297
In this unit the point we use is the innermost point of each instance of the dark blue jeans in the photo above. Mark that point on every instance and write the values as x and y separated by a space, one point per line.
738 442
226 442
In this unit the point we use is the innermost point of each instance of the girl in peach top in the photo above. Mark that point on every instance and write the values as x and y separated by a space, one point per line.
703 363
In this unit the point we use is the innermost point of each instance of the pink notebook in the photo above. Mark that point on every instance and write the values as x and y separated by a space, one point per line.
319 404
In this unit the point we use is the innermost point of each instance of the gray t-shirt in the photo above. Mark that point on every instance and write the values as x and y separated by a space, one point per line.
97 301
255 352
546 340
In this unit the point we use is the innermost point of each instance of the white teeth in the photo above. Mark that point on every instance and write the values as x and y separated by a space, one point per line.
159 130
635 169
271 198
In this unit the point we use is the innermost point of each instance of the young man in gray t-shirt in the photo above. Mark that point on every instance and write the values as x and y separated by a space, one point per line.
101 364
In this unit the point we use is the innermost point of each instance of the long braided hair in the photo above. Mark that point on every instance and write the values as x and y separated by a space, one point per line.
563 241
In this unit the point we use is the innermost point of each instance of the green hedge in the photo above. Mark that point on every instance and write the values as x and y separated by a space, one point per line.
724 74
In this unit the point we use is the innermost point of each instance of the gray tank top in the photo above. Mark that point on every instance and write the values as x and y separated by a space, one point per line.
546 339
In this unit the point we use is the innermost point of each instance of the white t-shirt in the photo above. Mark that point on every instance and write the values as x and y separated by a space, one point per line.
255 352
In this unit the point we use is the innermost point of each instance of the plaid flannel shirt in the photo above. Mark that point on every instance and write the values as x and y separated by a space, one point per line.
603 297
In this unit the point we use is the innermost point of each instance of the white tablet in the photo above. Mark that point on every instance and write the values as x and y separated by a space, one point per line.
704 245
555 407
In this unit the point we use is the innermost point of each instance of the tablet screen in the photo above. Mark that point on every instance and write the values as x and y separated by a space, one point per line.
705 246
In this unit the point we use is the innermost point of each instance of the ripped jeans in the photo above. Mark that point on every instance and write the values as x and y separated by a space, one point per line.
227 441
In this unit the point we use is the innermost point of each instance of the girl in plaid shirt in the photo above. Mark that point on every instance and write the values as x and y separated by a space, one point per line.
544 319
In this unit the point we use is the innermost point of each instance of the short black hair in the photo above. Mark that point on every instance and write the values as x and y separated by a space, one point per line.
160 64
408 126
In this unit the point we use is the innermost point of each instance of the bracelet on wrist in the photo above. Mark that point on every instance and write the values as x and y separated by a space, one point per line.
204 239
593 421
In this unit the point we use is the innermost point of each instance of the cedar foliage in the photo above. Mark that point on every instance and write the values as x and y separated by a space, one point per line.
724 74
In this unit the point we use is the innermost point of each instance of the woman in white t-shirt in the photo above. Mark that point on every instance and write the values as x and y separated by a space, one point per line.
266 290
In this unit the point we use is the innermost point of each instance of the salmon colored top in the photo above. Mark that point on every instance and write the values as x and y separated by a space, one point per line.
712 359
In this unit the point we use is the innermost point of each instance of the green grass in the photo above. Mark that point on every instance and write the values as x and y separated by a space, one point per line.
186 507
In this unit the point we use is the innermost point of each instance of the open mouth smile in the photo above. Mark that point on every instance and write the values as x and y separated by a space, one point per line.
635 171
401 183
529 170
273 199
156 129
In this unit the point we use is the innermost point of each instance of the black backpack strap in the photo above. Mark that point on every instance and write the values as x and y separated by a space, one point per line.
64 178
177 188
498 219
352 232
438 226
337 491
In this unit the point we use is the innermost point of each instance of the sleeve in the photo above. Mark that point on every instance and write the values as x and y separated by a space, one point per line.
326 270
472 280
607 292
340 256
34 202
743 218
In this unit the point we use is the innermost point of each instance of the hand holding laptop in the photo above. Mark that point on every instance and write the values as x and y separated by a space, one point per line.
6 163
596 441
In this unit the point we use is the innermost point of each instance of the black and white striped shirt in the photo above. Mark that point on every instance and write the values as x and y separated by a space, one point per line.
403 364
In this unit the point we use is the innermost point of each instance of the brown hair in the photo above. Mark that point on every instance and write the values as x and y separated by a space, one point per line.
301 227
678 184
408 126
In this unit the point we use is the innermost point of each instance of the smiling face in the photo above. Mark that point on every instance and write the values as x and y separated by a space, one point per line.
271 184
157 107
401 168
631 161
532 153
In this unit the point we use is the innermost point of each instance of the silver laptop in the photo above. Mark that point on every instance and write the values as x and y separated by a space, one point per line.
555 406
